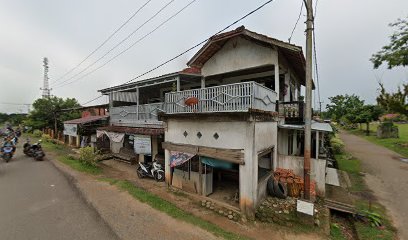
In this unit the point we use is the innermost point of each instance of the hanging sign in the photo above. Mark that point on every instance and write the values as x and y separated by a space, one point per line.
142 144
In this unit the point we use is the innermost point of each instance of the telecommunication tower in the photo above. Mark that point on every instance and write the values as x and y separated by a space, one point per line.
46 88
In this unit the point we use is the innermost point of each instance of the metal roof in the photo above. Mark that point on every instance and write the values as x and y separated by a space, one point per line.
293 53
186 74
134 130
316 126
86 119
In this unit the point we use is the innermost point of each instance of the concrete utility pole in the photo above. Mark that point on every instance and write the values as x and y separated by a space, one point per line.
308 97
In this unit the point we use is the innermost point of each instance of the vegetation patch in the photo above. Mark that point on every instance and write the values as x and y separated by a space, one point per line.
79 165
170 209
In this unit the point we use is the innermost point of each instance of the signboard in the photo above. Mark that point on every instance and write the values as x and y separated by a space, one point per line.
70 129
305 207
142 144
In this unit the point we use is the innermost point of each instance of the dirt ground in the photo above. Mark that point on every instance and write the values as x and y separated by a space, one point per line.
386 176
254 230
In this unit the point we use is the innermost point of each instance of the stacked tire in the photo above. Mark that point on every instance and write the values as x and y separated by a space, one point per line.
276 189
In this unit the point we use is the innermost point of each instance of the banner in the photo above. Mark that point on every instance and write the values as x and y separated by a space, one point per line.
142 144
178 158
70 129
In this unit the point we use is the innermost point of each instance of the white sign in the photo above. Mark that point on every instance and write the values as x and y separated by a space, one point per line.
70 129
142 144
305 207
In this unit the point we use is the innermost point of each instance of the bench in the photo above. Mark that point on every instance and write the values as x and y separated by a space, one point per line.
126 155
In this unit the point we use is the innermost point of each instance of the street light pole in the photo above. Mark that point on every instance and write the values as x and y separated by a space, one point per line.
308 98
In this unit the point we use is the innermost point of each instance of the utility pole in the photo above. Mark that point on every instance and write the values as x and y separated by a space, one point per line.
308 97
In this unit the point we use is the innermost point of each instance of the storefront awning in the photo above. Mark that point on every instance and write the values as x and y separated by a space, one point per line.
215 163
133 130
316 126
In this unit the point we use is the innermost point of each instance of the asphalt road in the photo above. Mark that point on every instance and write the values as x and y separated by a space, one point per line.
37 202
386 177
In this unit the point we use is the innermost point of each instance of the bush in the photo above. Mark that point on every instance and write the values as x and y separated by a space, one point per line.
46 138
337 145
37 133
88 156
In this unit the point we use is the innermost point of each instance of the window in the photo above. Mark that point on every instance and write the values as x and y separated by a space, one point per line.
265 163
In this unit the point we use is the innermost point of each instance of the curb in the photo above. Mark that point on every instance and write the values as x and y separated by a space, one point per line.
73 181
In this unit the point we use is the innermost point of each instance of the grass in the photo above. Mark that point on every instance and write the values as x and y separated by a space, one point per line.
171 209
80 166
394 144
364 231
336 233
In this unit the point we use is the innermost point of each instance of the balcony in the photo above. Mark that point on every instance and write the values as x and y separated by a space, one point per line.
133 115
239 97
293 112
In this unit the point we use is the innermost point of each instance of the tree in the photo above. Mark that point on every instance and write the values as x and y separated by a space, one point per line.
367 114
396 52
46 112
344 106
394 102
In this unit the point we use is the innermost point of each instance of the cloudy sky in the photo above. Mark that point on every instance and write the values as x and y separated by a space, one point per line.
348 32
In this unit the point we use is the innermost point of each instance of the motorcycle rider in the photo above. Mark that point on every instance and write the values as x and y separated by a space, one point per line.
8 143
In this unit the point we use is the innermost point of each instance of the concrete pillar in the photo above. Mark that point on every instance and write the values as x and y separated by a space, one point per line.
202 82
69 140
78 141
317 144
167 168
178 84
137 103
287 82
248 175
276 72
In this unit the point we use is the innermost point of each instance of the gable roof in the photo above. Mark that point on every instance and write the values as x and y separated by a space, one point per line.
293 53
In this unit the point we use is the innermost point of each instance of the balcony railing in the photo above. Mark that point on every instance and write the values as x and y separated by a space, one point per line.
293 112
239 97
128 115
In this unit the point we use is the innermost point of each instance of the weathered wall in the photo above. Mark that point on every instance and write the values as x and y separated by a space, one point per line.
238 54
318 169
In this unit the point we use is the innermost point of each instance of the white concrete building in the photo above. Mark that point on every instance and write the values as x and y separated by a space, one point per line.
229 120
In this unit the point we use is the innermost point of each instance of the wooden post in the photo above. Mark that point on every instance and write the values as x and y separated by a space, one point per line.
178 84
317 144
202 82
200 176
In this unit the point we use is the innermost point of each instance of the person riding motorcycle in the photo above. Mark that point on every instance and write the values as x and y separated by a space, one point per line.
8 143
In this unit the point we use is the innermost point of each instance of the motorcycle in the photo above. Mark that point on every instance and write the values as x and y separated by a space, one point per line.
7 153
152 170
34 150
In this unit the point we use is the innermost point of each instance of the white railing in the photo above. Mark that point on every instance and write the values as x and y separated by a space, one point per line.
239 97
126 115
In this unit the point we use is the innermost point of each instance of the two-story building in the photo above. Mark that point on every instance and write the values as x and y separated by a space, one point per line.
226 122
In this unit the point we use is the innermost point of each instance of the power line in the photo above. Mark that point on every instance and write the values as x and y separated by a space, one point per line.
195 46
104 42
129 47
315 58
297 21
118 44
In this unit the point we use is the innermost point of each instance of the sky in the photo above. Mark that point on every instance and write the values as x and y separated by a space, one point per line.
348 32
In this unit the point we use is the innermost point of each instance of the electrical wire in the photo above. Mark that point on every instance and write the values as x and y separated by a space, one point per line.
118 44
195 46
297 21
104 42
132 45
315 58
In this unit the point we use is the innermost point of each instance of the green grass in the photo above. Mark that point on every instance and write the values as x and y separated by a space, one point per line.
335 233
171 209
365 231
352 166
79 166
393 144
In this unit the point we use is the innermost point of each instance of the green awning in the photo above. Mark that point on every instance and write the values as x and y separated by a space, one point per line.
215 163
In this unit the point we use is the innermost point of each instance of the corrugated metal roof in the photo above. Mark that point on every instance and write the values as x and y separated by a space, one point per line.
86 119
143 131
316 126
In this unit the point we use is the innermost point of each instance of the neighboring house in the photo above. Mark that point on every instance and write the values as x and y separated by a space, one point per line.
228 120
82 131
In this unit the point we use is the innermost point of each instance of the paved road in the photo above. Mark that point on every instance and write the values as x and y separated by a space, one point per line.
386 175
37 202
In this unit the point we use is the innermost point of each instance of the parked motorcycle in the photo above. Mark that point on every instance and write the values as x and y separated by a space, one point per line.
152 170
34 150
7 153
